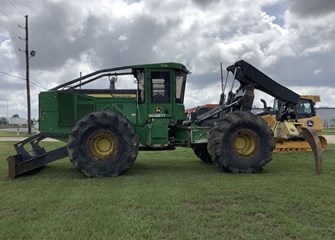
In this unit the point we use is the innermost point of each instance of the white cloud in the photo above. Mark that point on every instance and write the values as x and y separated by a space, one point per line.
70 37
320 48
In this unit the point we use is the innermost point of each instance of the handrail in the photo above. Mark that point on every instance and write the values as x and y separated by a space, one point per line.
90 75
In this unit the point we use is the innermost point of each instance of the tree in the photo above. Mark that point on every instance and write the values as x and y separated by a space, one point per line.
3 120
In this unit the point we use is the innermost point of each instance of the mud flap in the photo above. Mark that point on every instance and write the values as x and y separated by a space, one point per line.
312 138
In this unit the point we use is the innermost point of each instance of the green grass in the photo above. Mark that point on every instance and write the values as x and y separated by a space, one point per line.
171 195
328 131
14 134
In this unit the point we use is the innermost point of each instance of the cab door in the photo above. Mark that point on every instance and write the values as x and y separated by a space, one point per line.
161 94
160 107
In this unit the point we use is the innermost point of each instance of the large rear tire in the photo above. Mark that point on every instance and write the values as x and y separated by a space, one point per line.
103 144
241 142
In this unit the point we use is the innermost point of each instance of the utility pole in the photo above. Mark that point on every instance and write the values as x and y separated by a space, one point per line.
27 73
27 77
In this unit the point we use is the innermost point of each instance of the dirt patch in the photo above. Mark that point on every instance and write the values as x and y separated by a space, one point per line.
330 138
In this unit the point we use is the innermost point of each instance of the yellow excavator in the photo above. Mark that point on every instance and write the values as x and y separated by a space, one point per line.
287 137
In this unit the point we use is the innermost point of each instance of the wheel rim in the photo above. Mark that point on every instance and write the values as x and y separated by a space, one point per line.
102 145
245 143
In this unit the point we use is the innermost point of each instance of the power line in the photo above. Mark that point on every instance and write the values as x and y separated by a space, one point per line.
10 17
9 29
40 44
34 83
54 47
47 40
39 77
15 7
12 75
44 55
37 83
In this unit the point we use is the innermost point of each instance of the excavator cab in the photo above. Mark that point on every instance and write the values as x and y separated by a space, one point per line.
303 109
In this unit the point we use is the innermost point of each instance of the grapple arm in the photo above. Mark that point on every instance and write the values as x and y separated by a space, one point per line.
312 138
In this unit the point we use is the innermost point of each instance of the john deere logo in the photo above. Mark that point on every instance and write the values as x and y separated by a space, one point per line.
158 110
310 123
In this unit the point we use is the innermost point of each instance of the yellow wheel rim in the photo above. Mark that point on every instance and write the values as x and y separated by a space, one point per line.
245 142
102 145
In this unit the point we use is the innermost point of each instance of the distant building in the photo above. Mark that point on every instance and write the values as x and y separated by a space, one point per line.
327 114
17 121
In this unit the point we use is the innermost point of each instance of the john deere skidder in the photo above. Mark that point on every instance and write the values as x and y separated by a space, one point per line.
105 128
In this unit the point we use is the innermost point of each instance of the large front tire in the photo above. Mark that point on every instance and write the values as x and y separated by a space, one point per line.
202 153
103 144
241 142
201 150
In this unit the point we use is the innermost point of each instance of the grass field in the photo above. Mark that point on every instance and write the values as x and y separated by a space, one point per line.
171 195
328 131
12 134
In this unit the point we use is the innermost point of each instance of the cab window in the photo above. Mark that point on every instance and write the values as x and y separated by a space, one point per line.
140 86
160 85
304 107
180 87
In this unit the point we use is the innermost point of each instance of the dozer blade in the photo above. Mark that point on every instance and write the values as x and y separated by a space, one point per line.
25 161
312 138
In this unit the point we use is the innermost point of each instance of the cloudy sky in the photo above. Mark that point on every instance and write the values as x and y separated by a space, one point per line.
291 41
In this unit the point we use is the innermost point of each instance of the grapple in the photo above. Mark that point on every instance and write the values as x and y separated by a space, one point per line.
312 138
